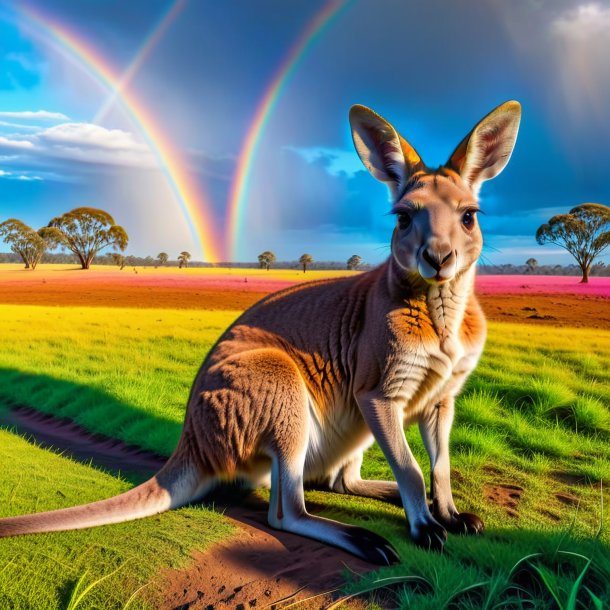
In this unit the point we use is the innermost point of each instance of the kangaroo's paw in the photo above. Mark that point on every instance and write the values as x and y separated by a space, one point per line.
466 523
429 534
461 523
371 547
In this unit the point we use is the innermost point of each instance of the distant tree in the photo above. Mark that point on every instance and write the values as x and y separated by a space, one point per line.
25 242
584 232
531 263
266 259
118 259
353 262
305 261
86 231
163 257
183 259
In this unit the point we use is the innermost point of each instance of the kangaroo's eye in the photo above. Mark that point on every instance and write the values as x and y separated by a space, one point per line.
404 221
468 219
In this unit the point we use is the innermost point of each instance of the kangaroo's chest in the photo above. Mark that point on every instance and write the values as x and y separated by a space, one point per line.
426 354
417 372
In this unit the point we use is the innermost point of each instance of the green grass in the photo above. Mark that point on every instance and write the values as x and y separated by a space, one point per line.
52 571
122 372
536 414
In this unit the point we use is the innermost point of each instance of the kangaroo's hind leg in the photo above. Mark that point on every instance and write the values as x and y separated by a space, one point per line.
349 481
287 446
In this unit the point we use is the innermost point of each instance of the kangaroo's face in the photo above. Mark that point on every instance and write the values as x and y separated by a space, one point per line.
437 234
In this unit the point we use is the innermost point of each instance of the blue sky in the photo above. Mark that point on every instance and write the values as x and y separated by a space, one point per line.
433 69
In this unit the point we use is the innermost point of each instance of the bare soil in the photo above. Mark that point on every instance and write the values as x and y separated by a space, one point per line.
554 309
505 496
259 568
523 303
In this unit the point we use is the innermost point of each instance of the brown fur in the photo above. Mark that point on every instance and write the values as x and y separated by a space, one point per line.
304 381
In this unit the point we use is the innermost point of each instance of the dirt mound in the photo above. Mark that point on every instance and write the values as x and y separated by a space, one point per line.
566 498
506 496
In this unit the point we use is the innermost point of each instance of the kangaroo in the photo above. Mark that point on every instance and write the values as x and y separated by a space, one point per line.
309 377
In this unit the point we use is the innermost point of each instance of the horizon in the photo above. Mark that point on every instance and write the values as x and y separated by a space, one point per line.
201 126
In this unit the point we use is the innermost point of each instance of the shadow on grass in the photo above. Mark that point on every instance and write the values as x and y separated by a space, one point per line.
31 412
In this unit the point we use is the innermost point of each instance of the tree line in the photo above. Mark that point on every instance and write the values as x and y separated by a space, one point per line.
584 232
267 258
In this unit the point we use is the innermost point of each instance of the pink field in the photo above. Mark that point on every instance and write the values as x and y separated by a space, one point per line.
540 284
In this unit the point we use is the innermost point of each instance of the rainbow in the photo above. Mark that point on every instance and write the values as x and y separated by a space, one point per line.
192 201
241 182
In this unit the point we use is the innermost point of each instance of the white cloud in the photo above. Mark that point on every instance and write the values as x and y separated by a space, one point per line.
25 178
9 143
19 176
83 142
90 136
583 22
35 115
19 126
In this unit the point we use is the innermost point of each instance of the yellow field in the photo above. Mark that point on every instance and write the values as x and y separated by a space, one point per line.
16 271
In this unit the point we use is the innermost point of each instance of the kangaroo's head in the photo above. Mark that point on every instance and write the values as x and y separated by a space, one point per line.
437 234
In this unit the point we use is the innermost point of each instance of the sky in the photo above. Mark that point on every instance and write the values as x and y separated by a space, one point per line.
221 128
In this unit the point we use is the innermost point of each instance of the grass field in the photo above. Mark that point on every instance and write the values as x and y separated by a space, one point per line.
530 453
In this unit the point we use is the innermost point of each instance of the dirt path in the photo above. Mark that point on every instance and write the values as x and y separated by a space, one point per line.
254 569
64 436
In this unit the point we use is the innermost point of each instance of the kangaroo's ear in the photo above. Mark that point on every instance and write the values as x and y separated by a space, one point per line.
388 157
484 152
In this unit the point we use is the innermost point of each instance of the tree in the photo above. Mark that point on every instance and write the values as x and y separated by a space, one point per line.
86 231
584 232
353 262
163 258
266 259
184 259
25 242
305 261
531 263
118 259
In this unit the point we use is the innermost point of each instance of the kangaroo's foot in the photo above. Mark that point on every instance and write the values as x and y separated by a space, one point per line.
458 523
428 533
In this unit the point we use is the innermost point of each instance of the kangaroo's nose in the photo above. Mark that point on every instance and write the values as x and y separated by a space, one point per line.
438 258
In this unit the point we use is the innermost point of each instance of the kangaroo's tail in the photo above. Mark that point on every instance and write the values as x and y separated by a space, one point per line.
173 486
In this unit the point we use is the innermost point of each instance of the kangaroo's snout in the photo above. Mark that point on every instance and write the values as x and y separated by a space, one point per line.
436 261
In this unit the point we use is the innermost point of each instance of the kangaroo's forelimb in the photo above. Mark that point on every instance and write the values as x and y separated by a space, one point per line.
384 417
